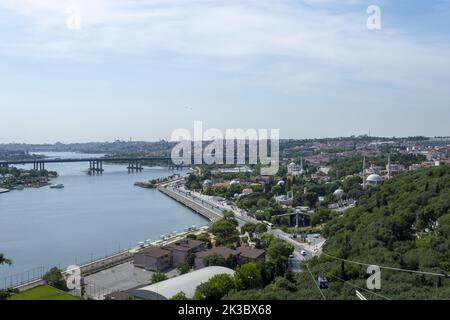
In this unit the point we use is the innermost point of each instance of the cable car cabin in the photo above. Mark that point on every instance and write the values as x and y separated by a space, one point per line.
322 283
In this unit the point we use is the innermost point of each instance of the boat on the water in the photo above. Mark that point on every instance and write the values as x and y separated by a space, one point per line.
19 187
57 186
147 185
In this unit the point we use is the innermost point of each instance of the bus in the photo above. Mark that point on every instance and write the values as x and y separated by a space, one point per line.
268 224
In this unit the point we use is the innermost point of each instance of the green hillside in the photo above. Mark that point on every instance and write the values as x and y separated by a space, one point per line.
405 224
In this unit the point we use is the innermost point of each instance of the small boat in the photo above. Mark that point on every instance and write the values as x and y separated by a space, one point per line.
147 185
57 186
19 187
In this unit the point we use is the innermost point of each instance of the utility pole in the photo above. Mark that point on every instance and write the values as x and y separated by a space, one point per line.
364 173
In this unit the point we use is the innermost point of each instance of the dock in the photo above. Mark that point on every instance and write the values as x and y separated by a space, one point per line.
4 190
210 213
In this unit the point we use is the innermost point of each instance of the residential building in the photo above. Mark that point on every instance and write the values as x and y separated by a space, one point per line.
182 248
153 259
247 254
222 251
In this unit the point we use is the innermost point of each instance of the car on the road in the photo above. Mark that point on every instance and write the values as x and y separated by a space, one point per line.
303 253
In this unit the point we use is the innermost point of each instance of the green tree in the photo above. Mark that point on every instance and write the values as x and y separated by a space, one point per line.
261 228
248 227
225 232
179 296
216 288
4 260
321 216
158 277
230 217
248 276
55 279
190 259
183 267
214 260
278 252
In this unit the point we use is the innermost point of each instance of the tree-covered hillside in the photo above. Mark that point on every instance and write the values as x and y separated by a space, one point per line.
405 224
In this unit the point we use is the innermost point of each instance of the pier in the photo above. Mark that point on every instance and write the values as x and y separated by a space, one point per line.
213 214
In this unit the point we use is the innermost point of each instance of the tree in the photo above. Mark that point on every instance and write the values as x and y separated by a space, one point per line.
230 217
248 227
320 216
284 284
261 228
190 259
55 279
179 296
225 232
278 252
158 277
215 289
4 260
247 276
214 260
183 267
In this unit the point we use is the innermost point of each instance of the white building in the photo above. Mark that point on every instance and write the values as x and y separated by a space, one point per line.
294 169
186 283
374 180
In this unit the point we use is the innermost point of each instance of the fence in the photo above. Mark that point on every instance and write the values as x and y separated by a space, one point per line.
23 278
92 292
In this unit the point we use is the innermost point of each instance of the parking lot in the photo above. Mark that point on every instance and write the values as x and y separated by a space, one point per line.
119 278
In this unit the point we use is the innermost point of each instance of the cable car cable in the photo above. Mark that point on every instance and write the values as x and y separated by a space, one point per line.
314 280
444 275
356 286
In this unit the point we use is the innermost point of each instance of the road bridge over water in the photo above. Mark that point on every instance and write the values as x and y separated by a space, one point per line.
95 164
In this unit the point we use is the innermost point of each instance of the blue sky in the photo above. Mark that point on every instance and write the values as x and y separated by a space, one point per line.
142 69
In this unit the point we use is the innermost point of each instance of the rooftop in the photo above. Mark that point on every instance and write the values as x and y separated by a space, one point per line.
223 251
184 245
247 252
154 252
186 283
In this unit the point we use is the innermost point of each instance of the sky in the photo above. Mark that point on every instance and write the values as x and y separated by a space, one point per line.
86 70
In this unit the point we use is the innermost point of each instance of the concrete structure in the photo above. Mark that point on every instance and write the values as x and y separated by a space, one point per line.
284 200
153 259
186 283
182 248
184 198
95 164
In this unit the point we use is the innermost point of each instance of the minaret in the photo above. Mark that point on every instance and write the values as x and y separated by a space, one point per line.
364 172
389 166
301 164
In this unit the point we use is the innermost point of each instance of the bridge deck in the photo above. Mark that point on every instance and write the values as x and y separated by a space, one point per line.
84 160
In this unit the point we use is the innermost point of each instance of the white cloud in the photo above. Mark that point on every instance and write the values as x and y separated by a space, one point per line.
288 33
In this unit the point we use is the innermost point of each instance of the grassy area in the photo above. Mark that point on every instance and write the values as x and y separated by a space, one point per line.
43 293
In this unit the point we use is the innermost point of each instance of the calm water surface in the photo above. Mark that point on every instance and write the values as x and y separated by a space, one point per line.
92 216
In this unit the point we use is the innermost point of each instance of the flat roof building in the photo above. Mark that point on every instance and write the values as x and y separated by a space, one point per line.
153 259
